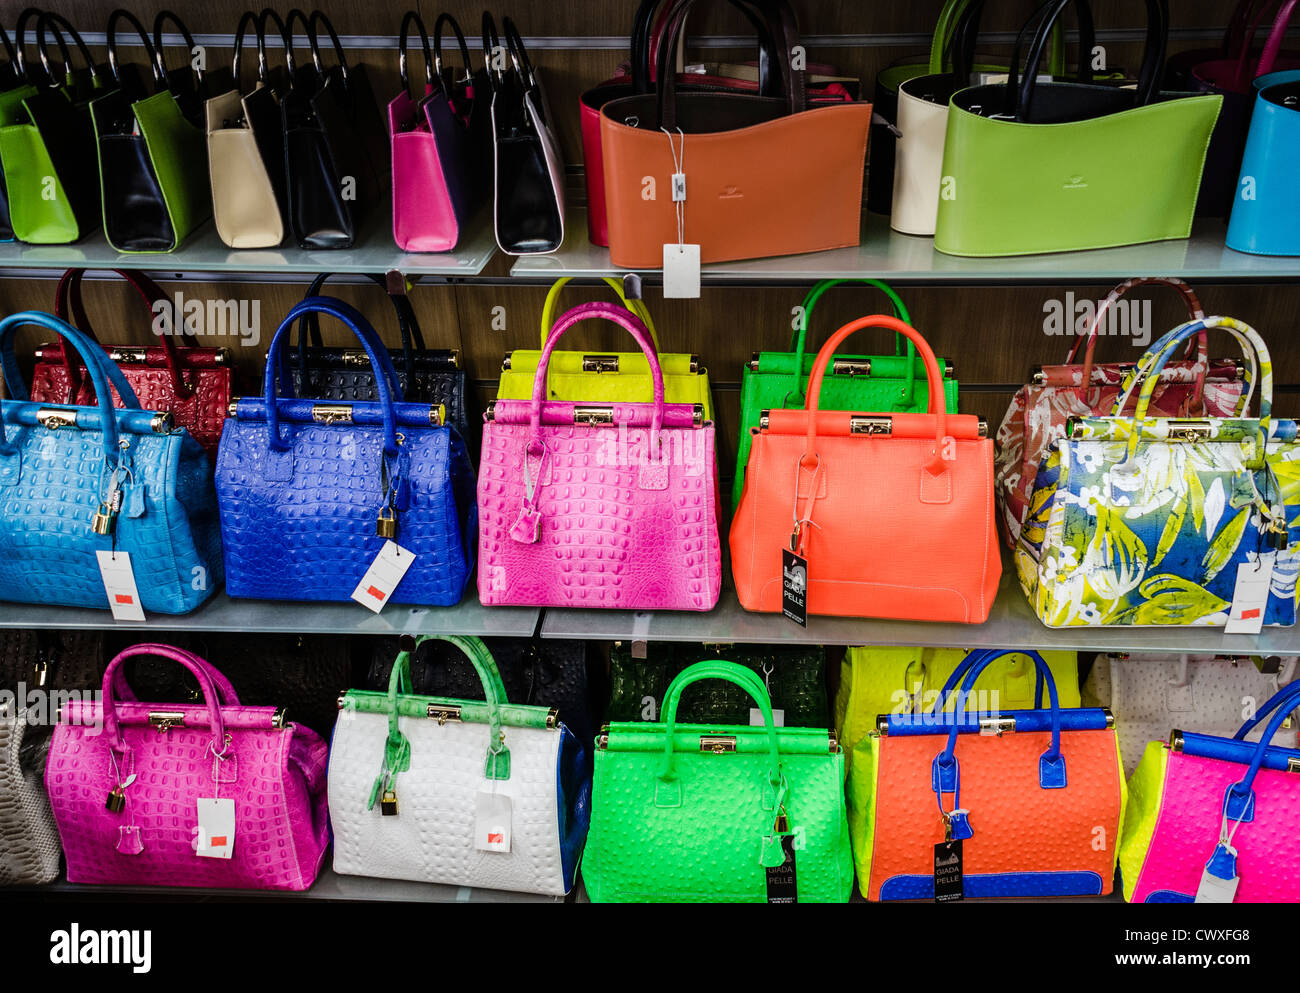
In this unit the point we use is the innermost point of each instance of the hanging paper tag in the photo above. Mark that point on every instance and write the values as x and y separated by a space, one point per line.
756 717
1219 880
1250 596
782 886
679 187
794 587
492 822
385 572
216 836
119 585
948 887
681 272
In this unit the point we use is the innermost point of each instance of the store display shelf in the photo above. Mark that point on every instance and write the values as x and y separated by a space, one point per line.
221 613
886 254
1010 625
374 252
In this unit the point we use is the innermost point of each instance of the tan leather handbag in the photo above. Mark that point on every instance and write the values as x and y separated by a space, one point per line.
763 175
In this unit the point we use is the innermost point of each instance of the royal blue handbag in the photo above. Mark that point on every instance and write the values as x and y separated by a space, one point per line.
76 480
310 491
1266 209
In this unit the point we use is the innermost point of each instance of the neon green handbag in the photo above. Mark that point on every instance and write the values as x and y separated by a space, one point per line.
607 377
861 383
717 813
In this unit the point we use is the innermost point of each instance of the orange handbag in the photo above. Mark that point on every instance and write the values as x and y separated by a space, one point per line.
891 513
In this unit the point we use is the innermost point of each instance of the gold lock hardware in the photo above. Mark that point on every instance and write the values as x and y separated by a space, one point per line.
593 415
442 713
1180 430
49 417
116 801
332 413
386 525
996 726
104 521
851 367
717 743
782 825
600 363
388 803
870 424
165 720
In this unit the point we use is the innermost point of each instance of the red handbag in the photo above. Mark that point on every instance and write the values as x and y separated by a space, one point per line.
191 382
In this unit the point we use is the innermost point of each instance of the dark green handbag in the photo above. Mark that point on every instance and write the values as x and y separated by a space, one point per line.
795 677
867 384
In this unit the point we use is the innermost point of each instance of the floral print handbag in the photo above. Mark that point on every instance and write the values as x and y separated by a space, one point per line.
1142 521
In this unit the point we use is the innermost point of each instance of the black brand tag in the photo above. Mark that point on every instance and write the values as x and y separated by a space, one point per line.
947 872
794 587
781 886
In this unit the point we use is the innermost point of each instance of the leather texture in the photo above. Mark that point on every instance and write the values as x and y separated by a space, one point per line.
29 842
793 675
193 383
299 498
779 380
1264 198
622 514
1030 840
675 821
54 480
275 775
933 513
245 207
535 672
431 838
51 660
1151 695
1036 419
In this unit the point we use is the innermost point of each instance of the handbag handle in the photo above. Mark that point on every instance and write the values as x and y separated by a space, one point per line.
1272 46
523 66
225 689
103 374
1185 292
409 19
197 669
314 24
641 28
497 765
68 302
62 28
799 339
491 42
163 17
374 349
263 65
769 59
11 57
964 667
630 323
637 307
732 673
445 19
121 13
1281 704
1244 18
24 71
944 35
291 63
247 20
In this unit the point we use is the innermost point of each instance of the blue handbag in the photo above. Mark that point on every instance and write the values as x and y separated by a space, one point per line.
310 491
1266 209
75 480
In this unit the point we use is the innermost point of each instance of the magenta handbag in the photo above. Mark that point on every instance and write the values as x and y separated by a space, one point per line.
599 505
210 794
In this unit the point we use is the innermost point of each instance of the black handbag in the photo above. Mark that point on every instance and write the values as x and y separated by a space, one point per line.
335 145
52 660
541 672
425 375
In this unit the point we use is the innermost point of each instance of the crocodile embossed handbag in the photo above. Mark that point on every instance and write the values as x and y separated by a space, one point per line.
130 783
192 383
1032 799
483 793
76 480
601 505
698 813
306 488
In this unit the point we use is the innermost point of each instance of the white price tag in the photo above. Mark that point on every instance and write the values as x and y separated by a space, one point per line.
679 187
1216 890
492 822
119 586
216 837
385 572
681 272
756 717
1250 596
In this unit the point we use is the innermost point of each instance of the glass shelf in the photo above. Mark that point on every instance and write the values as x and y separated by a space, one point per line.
221 613
1010 625
204 251
885 254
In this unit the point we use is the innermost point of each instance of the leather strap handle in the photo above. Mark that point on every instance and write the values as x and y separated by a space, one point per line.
1272 46
964 667
732 673
296 14
519 59
374 348
799 341
641 27
1243 17
317 21
248 21
226 695
25 71
409 19
163 17
1280 705
198 669
491 42
121 13
446 20
769 58
1153 61
62 29
263 63
637 307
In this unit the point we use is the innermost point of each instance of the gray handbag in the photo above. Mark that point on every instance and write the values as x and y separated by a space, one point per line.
29 842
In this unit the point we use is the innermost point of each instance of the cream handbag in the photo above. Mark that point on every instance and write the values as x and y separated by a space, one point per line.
29 842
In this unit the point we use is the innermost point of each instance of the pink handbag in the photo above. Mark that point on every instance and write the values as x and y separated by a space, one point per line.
128 782
598 505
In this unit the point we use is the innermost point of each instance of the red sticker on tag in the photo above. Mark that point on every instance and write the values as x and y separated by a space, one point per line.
219 841
376 592
123 598
1250 615
495 838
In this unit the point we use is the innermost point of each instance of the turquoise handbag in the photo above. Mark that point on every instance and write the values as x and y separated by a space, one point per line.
861 383
1266 209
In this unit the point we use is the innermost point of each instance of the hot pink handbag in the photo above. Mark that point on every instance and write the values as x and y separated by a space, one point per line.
128 782
598 505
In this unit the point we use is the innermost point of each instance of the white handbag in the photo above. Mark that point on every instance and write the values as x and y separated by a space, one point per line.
29 841
1150 695
918 164
478 793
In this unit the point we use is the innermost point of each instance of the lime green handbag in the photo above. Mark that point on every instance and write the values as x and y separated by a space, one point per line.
861 383
608 377
717 813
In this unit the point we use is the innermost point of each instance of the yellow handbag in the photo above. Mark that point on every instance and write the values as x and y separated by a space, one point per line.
606 377
880 680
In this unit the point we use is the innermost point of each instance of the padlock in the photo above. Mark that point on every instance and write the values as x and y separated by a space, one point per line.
782 823
388 803
116 802
104 520
386 525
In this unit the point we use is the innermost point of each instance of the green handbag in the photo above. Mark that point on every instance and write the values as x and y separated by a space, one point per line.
1052 169
861 383
47 146
794 676
153 154
717 813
